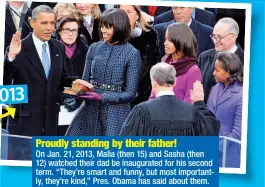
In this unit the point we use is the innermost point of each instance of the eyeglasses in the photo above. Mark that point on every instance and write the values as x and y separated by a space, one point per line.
219 38
67 31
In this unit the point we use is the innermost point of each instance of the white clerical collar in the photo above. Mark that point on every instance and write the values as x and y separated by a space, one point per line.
233 50
162 93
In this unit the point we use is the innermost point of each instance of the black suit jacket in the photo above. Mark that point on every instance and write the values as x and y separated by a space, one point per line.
10 28
213 10
168 116
203 16
95 32
35 4
202 33
40 115
206 64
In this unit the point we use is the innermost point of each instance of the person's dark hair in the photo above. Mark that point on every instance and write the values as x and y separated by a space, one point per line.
41 9
183 39
119 20
231 64
67 20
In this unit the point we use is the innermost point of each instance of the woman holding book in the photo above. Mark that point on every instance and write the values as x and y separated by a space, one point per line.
112 72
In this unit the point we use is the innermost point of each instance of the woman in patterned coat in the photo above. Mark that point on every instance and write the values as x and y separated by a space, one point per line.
112 70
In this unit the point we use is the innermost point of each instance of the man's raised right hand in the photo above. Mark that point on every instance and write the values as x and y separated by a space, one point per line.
15 46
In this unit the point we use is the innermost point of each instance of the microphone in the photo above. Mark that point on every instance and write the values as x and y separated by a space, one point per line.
22 19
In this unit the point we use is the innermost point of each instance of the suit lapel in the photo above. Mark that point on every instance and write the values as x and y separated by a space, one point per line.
54 56
225 95
33 57
198 13
240 53
193 26
171 15
10 21
214 96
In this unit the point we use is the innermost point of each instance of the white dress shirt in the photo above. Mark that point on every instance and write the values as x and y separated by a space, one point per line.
189 22
38 44
162 93
233 50
17 15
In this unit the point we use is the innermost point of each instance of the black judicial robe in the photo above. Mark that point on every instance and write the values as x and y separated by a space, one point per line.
168 116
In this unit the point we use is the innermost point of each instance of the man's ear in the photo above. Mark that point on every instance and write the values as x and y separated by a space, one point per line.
175 82
153 83
31 22
234 36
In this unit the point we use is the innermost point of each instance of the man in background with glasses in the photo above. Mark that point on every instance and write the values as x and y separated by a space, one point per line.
184 15
224 37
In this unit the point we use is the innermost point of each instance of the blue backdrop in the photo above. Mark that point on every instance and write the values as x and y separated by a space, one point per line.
21 176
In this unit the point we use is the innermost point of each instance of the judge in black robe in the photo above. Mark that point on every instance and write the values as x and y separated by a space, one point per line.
168 116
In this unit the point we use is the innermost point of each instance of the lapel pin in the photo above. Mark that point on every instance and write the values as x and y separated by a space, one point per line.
57 55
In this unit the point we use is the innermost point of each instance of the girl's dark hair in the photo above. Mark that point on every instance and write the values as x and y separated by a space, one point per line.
183 39
119 20
67 20
232 64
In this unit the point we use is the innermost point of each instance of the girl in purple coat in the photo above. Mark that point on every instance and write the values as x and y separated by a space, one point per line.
181 52
225 101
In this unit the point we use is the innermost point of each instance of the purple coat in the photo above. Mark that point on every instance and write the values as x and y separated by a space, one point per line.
185 83
226 104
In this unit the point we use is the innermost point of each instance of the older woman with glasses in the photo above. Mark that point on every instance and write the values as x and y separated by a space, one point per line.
68 34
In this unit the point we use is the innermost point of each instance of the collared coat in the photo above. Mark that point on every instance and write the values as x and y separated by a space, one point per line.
109 65
39 116
226 104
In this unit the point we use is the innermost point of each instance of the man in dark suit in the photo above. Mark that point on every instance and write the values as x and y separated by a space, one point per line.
202 32
224 36
168 116
104 7
202 16
17 16
39 62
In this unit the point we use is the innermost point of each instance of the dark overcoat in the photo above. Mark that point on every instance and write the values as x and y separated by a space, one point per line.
40 115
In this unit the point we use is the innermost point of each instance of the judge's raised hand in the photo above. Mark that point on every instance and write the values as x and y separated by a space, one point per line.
15 45
197 94
84 83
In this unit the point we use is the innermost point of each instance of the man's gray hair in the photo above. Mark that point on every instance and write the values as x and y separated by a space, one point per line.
41 9
233 25
163 73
